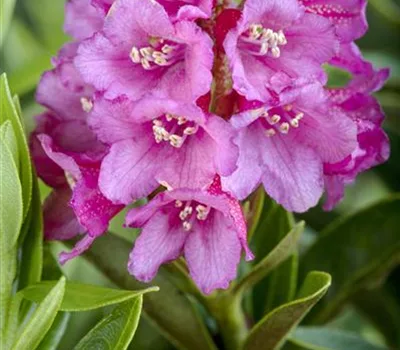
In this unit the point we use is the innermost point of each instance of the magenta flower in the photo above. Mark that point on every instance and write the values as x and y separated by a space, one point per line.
67 156
85 17
276 41
285 147
355 100
160 142
187 9
207 227
348 16
140 51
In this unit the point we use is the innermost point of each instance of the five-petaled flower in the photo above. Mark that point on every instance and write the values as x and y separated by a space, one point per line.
194 104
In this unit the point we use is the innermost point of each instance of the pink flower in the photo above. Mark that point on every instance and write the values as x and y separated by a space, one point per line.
285 147
160 142
274 42
187 9
140 51
67 156
207 227
348 16
85 17
355 100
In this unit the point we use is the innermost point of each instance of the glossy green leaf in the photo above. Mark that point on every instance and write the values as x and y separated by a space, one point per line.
8 136
41 320
10 199
9 112
271 332
83 297
32 248
280 286
10 224
116 330
285 248
169 309
53 337
358 251
320 338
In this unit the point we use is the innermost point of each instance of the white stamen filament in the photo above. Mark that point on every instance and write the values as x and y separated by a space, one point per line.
268 39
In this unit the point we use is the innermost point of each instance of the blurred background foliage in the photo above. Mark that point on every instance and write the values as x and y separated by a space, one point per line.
35 35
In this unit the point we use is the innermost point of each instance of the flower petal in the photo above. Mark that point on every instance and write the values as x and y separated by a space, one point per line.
212 251
160 241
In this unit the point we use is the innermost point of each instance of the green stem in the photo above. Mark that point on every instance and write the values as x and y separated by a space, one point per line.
227 311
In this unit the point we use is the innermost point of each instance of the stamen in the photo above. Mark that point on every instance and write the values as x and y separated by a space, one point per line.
266 39
187 226
270 132
178 204
182 120
187 211
87 104
284 128
135 55
176 141
294 123
145 63
190 130
299 116
274 119
202 212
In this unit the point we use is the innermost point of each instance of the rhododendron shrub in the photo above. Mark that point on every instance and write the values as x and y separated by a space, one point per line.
194 105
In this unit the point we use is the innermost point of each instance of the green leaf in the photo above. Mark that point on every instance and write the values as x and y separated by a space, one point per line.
285 248
53 337
6 11
358 251
83 297
169 309
8 136
32 248
41 320
320 338
280 286
382 309
116 330
9 112
10 199
271 332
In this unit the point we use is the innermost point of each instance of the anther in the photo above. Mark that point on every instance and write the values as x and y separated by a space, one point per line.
270 132
294 123
190 130
178 203
202 212
135 55
187 226
299 116
274 119
175 140
284 128
145 63
87 104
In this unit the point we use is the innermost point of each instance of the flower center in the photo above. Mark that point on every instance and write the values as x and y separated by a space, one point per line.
280 120
189 216
173 129
260 41
159 53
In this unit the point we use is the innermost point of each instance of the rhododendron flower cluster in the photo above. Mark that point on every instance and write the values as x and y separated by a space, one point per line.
193 104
